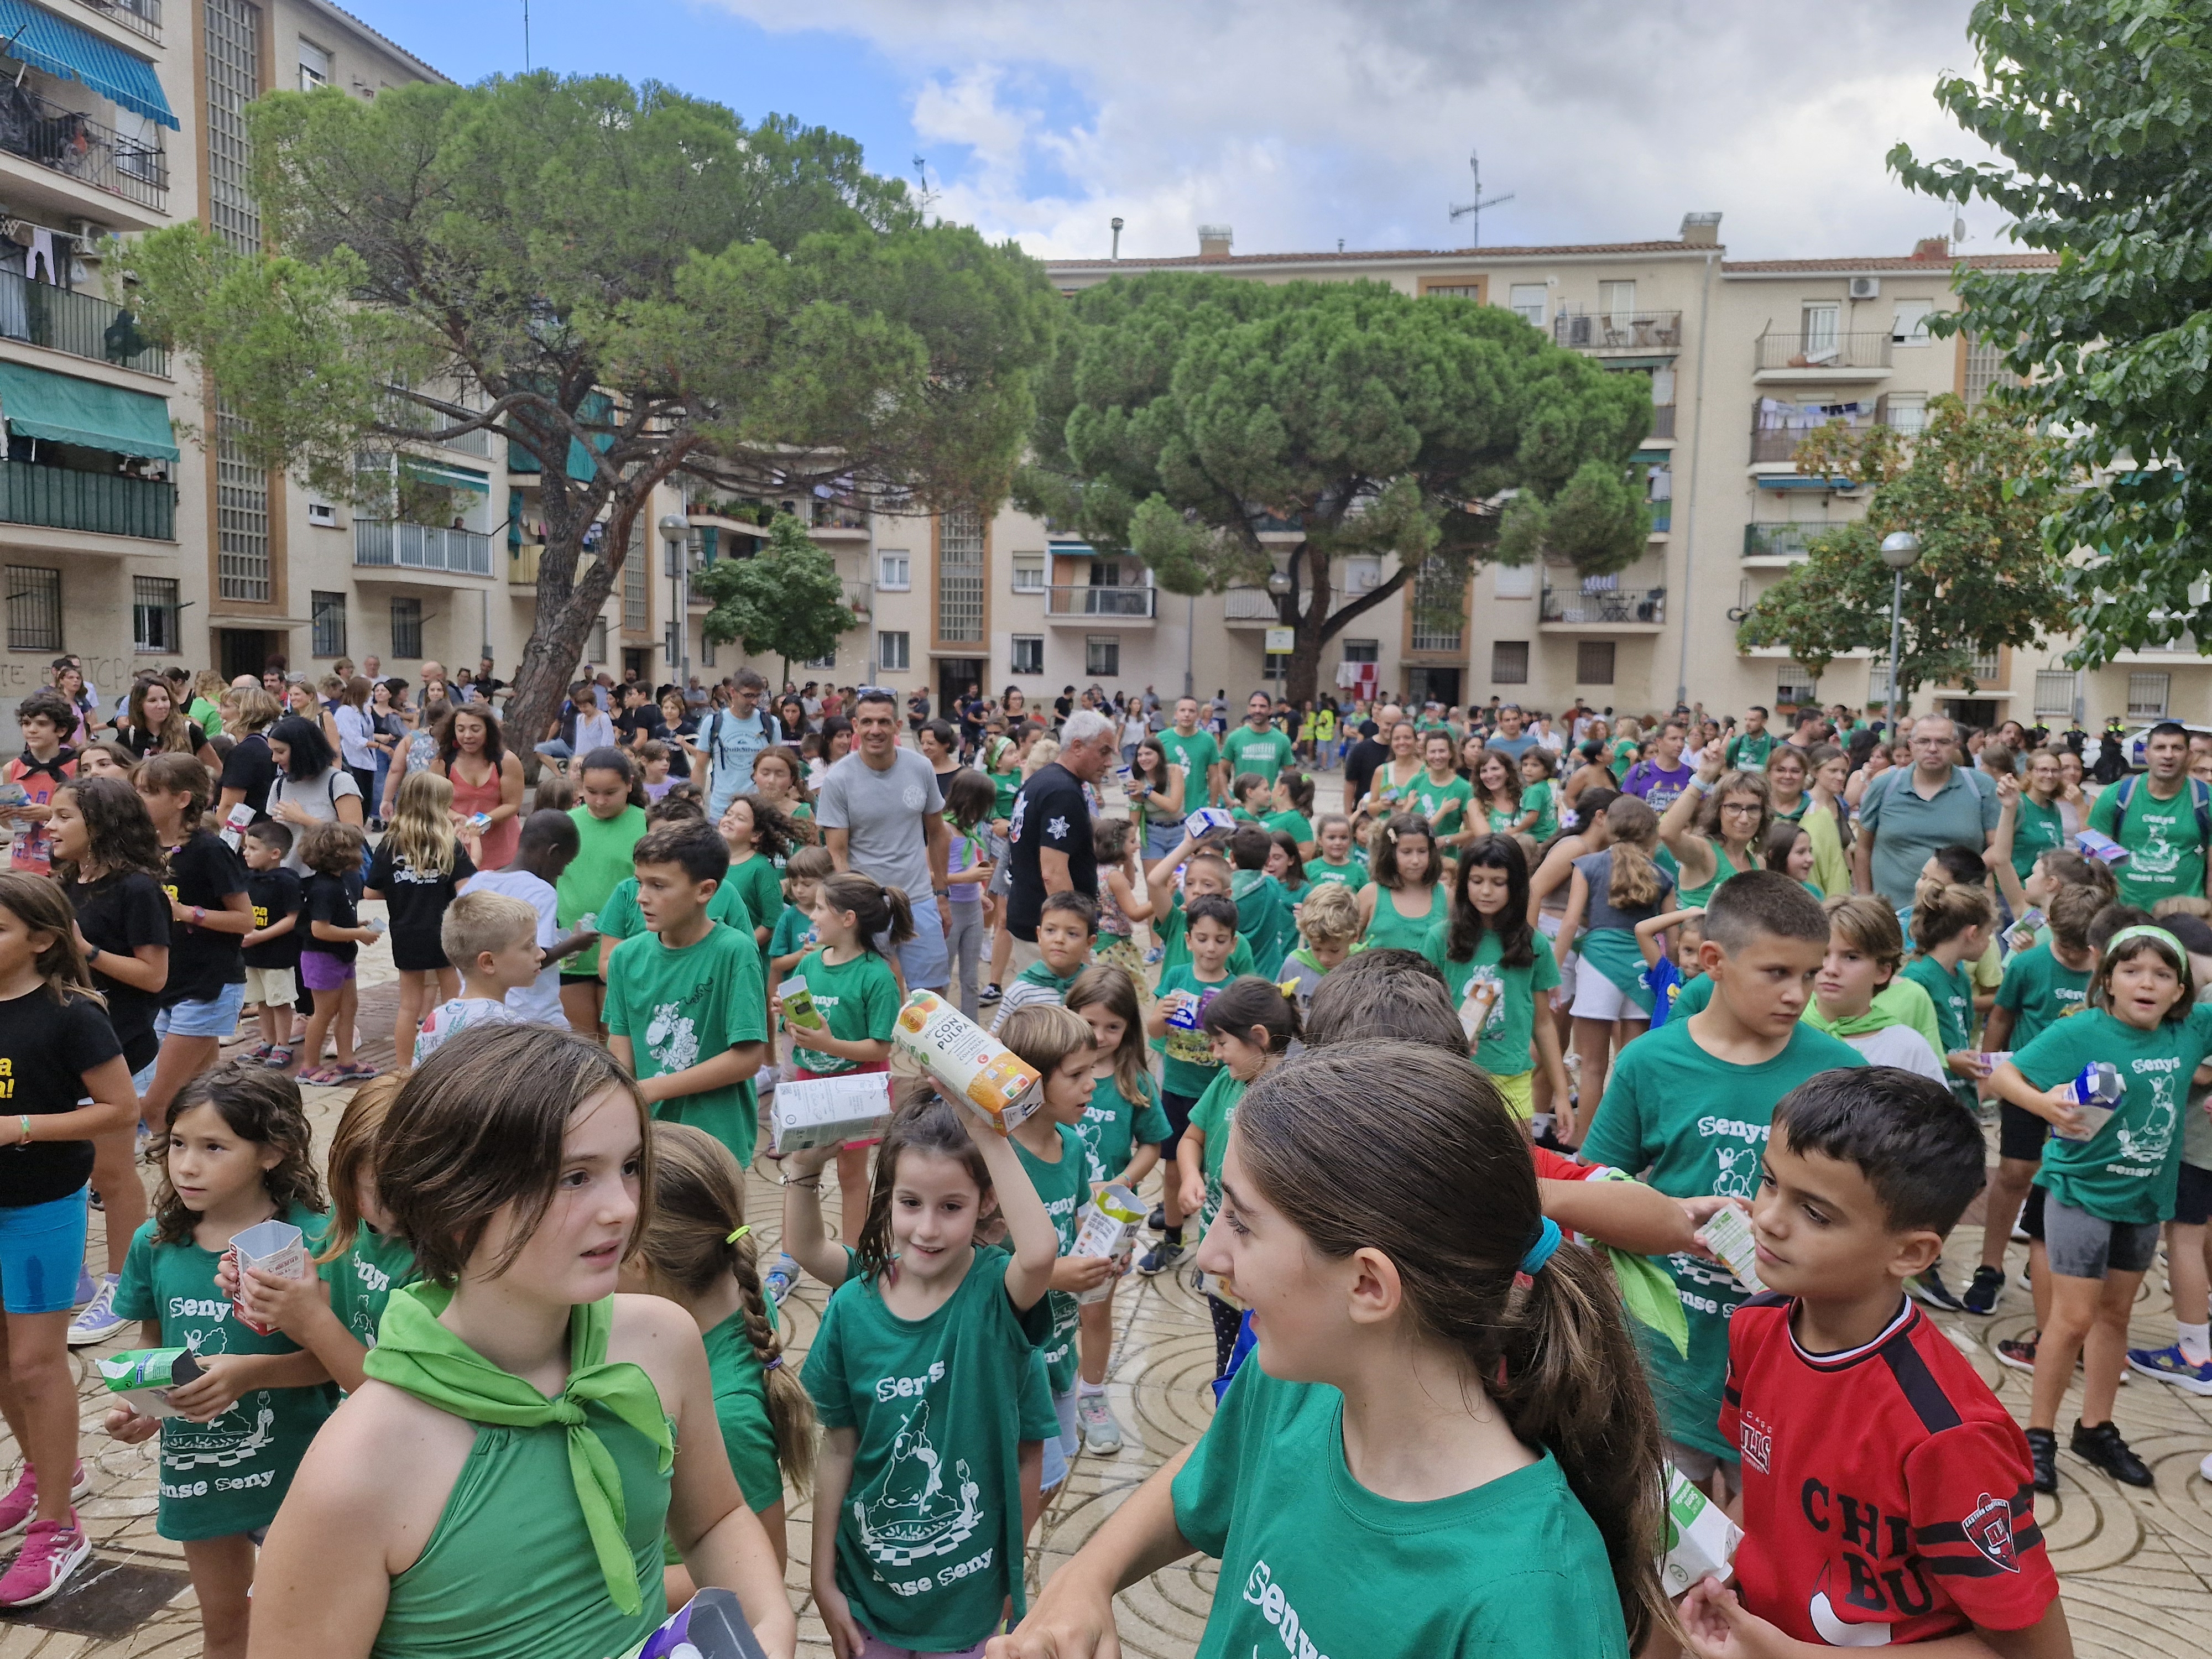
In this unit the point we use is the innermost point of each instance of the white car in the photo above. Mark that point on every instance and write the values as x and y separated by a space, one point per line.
2134 742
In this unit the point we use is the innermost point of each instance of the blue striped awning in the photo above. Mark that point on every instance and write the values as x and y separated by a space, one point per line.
74 53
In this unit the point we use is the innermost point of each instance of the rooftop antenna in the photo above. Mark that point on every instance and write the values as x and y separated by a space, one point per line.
525 36
921 172
1475 207
1116 223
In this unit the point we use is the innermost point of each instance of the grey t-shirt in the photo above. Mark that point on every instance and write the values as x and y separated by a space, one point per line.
883 814
319 798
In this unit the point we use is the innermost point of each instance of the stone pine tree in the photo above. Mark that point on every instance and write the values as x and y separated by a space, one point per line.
1186 415
623 283
785 601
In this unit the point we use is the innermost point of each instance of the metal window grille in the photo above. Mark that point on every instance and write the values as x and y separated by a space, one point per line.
1509 662
1439 607
1986 369
234 80
326 615
1101 655
241 516
960 578
154 615
407 629
596 649
1983 668
1027 653
891 652
634 598
1455 291
830 661
2056 690
1796 683
2146 693
1594 662
34 608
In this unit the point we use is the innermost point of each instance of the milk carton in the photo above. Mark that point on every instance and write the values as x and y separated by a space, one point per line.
710 1625
1474 1008
1729 1235
1701 1541
966 1062
798 1007
828 1111
1208 820
2096 1093
144 1376
1107 1228
277 1249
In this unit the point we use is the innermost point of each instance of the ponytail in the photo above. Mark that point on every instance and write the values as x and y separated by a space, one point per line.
1941 911
1635 830
877 910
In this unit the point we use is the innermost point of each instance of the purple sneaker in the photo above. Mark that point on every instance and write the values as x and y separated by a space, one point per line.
52 1552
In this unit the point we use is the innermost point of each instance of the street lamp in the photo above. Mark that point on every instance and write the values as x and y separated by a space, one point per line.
1279 588
1900 551
675 530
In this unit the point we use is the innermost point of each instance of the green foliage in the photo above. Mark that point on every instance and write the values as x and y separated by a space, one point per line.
1973 487
786 598
2098 108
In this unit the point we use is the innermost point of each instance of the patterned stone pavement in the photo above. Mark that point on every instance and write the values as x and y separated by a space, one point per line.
2136 1567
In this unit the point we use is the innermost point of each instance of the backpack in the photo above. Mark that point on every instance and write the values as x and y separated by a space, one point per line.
2199 795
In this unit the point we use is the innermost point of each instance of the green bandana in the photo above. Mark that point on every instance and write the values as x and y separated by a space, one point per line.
416 1353
1648 1290
1874 1019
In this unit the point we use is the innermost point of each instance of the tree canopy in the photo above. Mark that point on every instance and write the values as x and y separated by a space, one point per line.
2098 108
785 601
626 283
1185 416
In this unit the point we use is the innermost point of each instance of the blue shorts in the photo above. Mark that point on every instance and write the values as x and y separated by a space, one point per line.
923 959
1060 1453
217 1017
41 1248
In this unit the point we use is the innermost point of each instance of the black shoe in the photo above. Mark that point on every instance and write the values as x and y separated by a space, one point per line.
988 993
1981 1297
1157 1220
2043 1454
2103 1446
1930 1288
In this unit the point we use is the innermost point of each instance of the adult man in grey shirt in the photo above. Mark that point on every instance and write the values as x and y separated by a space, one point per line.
882 814
1908 814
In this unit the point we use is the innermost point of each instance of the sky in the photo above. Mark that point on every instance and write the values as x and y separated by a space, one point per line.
1301 124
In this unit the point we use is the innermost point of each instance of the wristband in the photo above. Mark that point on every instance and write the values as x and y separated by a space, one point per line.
26 1121
91 955
199 915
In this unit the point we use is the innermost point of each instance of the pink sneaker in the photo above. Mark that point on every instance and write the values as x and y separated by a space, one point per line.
51 1551
19 1504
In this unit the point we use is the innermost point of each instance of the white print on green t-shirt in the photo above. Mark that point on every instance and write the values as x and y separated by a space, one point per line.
908 1517
671 1040
2147 1143
1263 1593
1736 1168
2155 853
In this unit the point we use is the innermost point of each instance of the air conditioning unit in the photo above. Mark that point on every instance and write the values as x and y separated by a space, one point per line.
1866 288
323 514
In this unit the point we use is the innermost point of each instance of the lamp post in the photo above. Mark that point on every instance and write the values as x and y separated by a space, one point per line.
1900 551
675 529
1279 588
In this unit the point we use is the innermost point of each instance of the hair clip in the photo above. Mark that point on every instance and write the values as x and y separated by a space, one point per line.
737 1234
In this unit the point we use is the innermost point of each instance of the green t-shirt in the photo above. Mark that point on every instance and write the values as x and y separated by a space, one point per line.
1194 758
2129 1169
1506 1035
1187 1063
1952 991
1900 1002
1172 931
1264 919
1113 1126
1299 825
1215 1111
621 918
1699 1125
602 860
2040 991
1543 797
2037 831
680 1007
929 1542
206 716
2165 849
1352 875
1443 804
1390 928
1065 1187
741 1407
1748 752
1000 752
859 998
362 1281
1267 753
1624 755
1310 1558
760 883
229 1475
794 927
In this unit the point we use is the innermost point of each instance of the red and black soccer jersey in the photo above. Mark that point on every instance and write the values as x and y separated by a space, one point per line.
1551 1166
1883 1487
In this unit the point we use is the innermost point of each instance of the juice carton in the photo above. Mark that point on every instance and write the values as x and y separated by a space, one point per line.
1107 1228
1729 1234
2097 1093
1701 1541
798 1007
2102 846
144 1376
828 1111
1474 1008
710 1625
1208 819
277 1249
968 1063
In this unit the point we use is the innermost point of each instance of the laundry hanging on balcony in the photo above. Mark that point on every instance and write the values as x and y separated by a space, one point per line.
70 53
37 403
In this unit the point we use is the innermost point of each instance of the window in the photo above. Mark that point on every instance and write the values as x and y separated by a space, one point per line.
1818 327
154 616
1909 326
635 599
34 608
1363 651
323 515
1878 682
960 577
326 617
407 629
314 67
1793 683
1982 670
1439 607
894 571
706 650
234 80
892 652
1906 411
595 648
1594 662
1618 301
828 662
1029 573
1514 582
1986 369
1454 291
2146 693
1529 301
241 516
1274 664
1029 655
2056 692
1509 662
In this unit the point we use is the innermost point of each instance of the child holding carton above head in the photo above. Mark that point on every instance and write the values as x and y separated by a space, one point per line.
1690 1103
1883 1504
686 1011
1263 909
1187 1062
1205 872
1066 925
1329 922
1499 972
493 939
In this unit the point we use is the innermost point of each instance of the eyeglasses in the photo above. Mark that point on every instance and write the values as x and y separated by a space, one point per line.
1746 807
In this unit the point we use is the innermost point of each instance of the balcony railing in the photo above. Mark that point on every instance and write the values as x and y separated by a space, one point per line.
71 142
1796 348
1662 420
139 16
1083 601
1776 432
1633 604
105 503
1781 540
1618 330
82 324
1250 604
421 547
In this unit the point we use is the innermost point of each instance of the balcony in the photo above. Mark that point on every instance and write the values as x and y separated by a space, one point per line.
103 503
379 542
82 324
1621 330
1079 604
1777 427
1800 354
1662 420
1774 545
1251 607
1607 611
70 143
141 17
522 564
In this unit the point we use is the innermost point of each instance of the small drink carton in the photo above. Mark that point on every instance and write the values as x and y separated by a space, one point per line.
798 1007
144 1376
966 1062
1474 1008
2102 848
1701 1541
1220 1289
276 1248
1992 1059
828 1111
2096 1094
1187 1013
234 826
1208 819
1107 1228
710 1625
1729 1235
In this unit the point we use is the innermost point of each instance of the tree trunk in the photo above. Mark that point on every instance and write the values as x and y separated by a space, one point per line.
558 630
1310 600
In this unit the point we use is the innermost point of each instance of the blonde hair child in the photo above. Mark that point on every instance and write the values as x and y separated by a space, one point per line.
1328 925
418 869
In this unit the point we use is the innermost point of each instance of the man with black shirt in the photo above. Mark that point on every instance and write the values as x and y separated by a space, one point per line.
640 718
1049 836
1370 752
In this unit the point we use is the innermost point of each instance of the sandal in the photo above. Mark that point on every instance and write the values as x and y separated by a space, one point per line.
322 1077
260 1053
278 1057
356 1072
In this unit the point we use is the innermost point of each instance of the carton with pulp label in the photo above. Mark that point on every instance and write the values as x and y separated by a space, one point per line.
968 1063
828 1111
1729 1235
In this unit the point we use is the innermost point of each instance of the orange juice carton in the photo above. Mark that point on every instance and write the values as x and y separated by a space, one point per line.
968 1063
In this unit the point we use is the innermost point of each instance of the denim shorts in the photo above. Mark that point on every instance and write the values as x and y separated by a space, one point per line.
41 1247
217 1017
1058 1452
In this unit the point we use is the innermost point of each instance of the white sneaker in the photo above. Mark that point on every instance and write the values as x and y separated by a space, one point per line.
99 1320
1101 1435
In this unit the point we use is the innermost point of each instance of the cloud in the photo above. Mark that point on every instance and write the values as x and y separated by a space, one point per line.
1303 121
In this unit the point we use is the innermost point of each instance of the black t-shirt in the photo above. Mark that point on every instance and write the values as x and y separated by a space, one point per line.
680 758
275 895
1360 765
143 743
416 900
250 767
121 913
1049 812
45 1049
328 898
203 871
644 718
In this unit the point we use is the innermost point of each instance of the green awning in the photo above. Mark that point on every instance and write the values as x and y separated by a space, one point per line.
448 478
1663 360
37 403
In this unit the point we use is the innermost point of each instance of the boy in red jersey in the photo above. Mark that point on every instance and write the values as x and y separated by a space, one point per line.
1885 1495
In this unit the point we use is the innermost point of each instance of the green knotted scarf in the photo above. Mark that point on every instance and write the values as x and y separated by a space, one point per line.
414 1352
1647 1290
